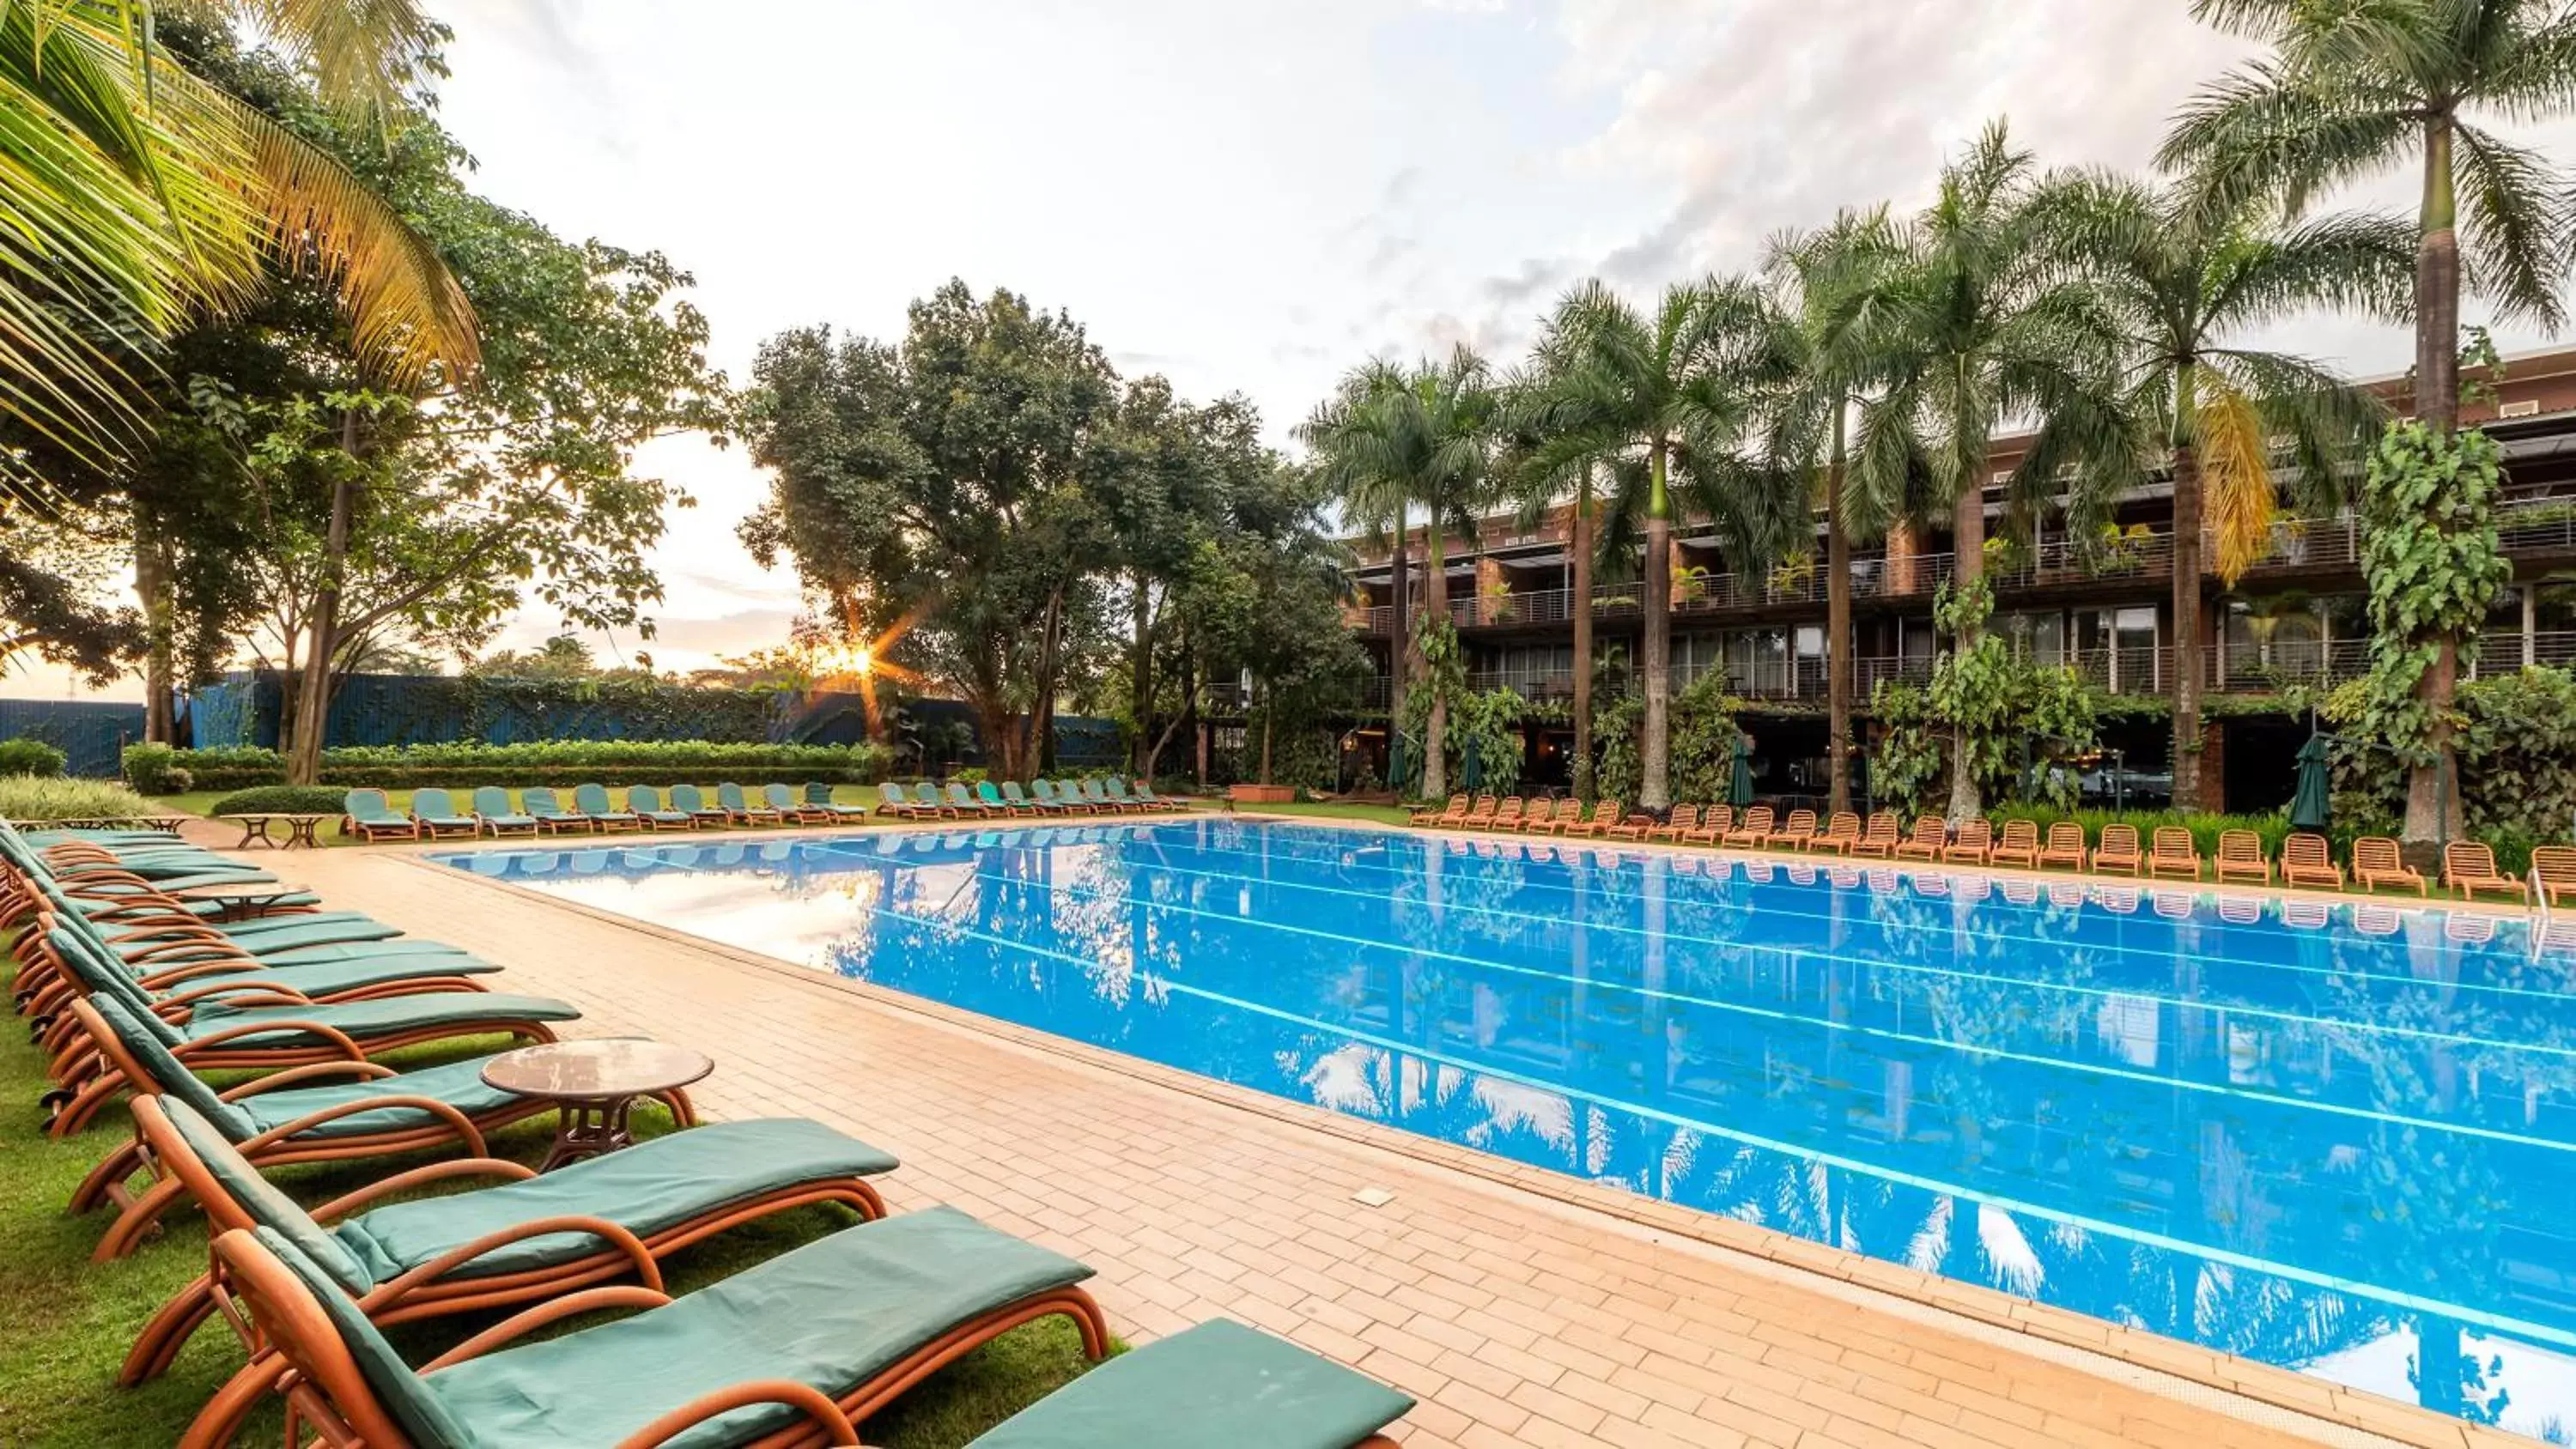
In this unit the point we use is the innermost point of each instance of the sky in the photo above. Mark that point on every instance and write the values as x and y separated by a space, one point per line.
1255 195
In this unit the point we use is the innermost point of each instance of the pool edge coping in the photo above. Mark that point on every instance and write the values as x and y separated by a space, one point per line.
2164 1363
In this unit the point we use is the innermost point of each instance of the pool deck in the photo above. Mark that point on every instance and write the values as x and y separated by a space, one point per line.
1520 1306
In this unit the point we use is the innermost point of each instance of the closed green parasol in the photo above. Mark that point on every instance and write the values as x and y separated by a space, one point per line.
2310 807
1739 786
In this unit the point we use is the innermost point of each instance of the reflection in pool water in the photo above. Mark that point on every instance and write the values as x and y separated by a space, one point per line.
2333 1138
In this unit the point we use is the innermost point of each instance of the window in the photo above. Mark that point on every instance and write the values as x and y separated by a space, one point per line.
2527 408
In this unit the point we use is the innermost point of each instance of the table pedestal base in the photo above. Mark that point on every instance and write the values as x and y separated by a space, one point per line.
588 1128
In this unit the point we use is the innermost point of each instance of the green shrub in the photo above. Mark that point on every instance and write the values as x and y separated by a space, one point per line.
25 756
152 768
40 798
282 800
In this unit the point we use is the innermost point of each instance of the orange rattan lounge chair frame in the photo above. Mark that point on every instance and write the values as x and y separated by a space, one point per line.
1841 834
2019 845
1881 836
2556 867
1482 814
2468 866
1754 829
2376 861
2174 854
1796 834
2118 850
1633 826
1545 817
1931 836
1507 816
1605 815
329 1393
2240 856
1456 809
2306 860
107 1183
1975 842
1684 819
1713 825
2065 847
431 1289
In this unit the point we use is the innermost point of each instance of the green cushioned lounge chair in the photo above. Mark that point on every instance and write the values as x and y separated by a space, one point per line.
1068 801
1020 799
1217 1384
1117 789
799 810
592 801
738 808
994 800
1098 794
371 816
343 1111
892 801
436 811
551 817
692 801
503 1243
967 807
818 1337
646 802
255 1033
1145 795
492 813
818 796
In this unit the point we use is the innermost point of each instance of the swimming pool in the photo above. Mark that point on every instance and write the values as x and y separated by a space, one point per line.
2333 1138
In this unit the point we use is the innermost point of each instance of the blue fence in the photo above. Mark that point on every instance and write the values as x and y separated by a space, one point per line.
91 733
398 709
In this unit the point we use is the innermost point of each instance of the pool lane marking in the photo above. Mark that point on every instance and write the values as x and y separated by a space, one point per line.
2229 1257
1771 1014
1702 891
1826 953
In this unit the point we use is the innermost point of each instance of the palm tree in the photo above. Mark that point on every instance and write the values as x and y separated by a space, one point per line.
2353 90
1985 327
1395 437
2183 280
1649 393
140 197
1826 315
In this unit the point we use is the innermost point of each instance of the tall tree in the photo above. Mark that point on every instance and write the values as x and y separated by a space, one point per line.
1646 391
1818 364
934 491
1987 327
1394 437
2352 90
2186 282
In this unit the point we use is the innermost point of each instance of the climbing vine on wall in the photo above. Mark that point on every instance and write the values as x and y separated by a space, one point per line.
2005 706
2431 560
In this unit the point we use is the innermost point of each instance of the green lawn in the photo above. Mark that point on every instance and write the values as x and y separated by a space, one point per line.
1336 810
65 1323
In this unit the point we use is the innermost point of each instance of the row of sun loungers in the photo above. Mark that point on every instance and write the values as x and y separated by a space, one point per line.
436 815
2306 859
1042 797
139 980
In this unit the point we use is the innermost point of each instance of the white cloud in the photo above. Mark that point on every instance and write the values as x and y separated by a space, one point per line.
1254 196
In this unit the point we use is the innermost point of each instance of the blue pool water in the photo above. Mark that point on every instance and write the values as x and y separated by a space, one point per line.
2339 1140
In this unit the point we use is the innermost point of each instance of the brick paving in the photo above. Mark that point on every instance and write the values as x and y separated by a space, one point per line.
1516 1317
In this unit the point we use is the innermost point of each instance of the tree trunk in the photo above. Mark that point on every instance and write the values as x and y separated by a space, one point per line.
1266 715
1967 566
1041 751
2186 606
1190 724
1140 671
2432 790
1654 789
313 689
1579 608
1435 608
1838 628
1398 649
152 588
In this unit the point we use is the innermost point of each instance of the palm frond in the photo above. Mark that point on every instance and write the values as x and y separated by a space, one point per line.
367 56
2517 219
2239 502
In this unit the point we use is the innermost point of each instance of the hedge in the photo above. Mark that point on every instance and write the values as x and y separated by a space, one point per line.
282 800
159 770
23 756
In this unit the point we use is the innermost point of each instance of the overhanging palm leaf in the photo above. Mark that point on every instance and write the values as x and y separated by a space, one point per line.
138 196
